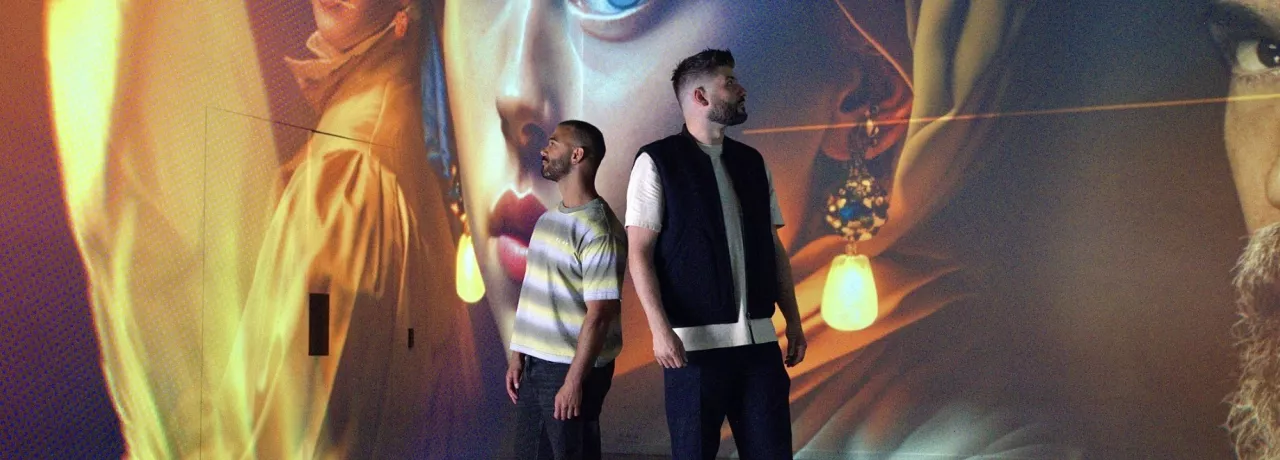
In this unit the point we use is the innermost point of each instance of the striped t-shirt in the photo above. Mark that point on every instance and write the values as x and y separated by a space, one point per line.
576 255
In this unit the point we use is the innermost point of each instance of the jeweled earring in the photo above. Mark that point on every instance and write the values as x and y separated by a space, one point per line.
857 210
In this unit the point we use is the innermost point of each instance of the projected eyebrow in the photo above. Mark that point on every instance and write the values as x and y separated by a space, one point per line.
1237 19
1232 24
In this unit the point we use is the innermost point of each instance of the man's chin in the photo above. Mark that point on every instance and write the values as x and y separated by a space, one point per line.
1254 419
736 120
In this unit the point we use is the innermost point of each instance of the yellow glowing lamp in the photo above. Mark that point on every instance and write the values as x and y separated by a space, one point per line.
849 300
470 284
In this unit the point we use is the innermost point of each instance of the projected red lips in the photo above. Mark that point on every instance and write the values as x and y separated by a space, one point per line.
512 225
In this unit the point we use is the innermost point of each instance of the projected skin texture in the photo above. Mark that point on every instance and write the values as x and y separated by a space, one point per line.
203 321
1246 32
515 67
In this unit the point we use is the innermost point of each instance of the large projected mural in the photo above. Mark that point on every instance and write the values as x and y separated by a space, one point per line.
303 225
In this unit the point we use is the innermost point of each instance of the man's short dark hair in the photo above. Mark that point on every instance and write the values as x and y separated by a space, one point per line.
588 137
699 65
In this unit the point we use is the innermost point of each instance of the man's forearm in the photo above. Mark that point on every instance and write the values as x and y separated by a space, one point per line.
786 286
645 280
591 339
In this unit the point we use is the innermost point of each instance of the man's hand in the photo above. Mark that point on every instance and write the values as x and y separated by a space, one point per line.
568 401
668 349
796 345
515 367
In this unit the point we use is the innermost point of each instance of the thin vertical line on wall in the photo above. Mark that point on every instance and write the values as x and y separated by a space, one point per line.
204 248
582 94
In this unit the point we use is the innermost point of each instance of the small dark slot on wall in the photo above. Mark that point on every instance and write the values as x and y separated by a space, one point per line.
410 337
318 325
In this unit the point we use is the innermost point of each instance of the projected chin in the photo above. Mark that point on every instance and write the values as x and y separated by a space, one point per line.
1255 413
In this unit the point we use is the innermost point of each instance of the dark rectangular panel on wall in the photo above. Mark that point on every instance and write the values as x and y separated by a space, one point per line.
318 325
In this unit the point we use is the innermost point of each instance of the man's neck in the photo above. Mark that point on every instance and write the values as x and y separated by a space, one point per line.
705 131
575 191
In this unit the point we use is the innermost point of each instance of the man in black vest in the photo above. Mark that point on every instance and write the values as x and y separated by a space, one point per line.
707 264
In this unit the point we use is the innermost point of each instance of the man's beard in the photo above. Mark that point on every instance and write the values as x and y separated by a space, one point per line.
1254 420
555 170
728 113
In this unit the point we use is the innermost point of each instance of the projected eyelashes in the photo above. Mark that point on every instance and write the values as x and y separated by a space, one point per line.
612 20
1253 60
607 7
1247 39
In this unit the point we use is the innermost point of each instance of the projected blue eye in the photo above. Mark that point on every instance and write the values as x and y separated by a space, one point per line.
612 20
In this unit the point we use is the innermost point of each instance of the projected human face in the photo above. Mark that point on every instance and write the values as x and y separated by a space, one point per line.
515 68
1248 33
345 23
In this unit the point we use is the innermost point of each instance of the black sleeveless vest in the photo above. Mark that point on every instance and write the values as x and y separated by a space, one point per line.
691 257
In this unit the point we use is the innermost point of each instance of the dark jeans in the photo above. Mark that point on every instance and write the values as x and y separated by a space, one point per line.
539 436
746 384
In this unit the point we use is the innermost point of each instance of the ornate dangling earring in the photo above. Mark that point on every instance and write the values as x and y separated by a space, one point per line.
468 281
400 23
856 211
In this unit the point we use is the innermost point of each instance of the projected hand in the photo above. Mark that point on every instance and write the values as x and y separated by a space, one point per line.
668 349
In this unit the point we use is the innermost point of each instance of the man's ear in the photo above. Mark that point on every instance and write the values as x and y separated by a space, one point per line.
700 96
577 155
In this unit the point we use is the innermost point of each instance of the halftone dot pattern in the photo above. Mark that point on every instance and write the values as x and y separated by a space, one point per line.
280 30
151 245
240 178
53 400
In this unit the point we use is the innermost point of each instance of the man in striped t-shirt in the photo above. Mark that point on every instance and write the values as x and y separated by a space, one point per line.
567 331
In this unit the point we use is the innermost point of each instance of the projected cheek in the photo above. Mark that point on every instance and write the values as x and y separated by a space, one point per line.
1252 120
1252 135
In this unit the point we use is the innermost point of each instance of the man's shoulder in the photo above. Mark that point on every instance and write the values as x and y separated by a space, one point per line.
660 146
601 222
553 224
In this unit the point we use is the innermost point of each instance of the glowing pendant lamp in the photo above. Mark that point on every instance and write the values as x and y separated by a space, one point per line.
470 284
857 210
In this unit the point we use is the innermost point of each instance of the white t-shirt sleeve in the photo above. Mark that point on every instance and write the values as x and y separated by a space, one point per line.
774 210
644 195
